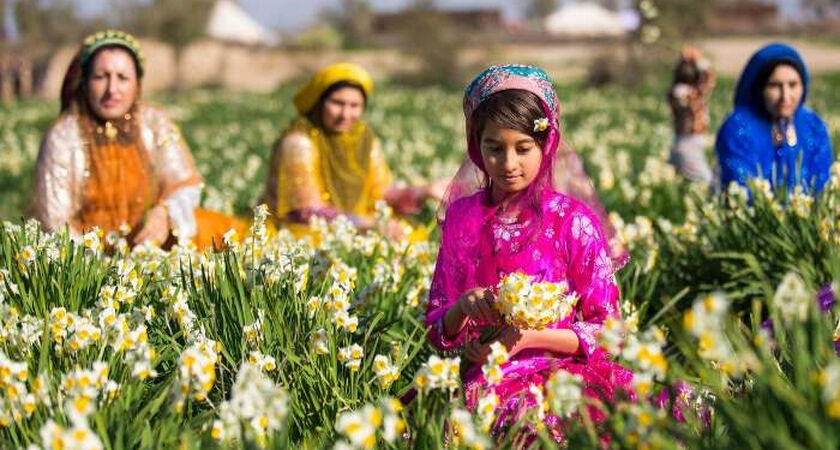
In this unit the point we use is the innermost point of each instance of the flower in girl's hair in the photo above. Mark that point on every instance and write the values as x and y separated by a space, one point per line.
528 305
540 124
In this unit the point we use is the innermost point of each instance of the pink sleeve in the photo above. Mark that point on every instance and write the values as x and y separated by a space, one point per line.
447 285
591 276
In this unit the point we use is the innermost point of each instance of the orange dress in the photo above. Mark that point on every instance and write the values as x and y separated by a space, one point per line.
92 174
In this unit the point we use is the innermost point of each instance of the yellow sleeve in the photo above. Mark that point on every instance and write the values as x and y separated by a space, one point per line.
379 177
299 183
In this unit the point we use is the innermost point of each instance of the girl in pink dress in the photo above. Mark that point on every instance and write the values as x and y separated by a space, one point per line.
522 203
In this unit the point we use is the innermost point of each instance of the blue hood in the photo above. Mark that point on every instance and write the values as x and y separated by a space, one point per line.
749 94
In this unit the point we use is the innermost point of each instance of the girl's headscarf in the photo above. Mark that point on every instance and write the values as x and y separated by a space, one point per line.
750 91
72 85
561 169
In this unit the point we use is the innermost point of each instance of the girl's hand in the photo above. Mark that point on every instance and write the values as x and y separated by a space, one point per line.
476 352
156 227
477 304
511 337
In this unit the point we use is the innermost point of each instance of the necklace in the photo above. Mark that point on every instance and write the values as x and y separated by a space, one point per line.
784 131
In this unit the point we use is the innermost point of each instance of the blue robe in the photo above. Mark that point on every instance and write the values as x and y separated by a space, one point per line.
745 146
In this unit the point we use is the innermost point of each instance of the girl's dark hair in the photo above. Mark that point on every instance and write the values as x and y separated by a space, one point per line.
87 68
315 114
686 72
515 109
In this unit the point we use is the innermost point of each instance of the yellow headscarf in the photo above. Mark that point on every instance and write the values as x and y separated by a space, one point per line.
308 95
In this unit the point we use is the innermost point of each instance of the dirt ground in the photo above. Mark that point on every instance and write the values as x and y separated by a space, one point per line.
262 70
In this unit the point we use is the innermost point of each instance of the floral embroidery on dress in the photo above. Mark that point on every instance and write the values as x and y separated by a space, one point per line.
582 227
549 233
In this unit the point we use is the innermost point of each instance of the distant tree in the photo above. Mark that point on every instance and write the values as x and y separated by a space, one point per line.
430 36
539 9
822 7
610 4
677 20
353 20
176 22
45 25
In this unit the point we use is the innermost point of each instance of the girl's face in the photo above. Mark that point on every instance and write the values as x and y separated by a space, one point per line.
342 109
112 86
511 158
783 92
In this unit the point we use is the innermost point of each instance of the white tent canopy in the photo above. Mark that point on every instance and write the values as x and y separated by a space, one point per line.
584 19
229 22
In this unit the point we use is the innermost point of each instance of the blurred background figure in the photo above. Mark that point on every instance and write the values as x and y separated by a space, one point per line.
15 77
113 162
689 99
328 160
771 134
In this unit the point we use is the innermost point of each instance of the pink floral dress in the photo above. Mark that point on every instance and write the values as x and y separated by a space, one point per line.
563 241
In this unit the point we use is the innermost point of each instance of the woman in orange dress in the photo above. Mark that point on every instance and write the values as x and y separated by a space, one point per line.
113 162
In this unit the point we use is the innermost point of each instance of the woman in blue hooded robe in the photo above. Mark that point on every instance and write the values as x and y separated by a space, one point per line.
771 134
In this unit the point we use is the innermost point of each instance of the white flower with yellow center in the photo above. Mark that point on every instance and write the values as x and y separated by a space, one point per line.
486 410
792 298
360 426
386 372
565 393
529 305
318 342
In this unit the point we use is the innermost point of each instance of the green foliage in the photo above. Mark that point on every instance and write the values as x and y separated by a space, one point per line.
176 22
768 258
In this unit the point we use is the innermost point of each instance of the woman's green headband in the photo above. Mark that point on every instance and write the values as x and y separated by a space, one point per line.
101 39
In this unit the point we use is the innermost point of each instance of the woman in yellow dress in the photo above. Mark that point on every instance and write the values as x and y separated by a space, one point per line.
328 161
113 162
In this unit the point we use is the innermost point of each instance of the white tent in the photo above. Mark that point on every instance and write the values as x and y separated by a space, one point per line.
584 19
229 22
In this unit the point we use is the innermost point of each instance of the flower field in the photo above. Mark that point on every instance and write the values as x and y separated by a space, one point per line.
729 322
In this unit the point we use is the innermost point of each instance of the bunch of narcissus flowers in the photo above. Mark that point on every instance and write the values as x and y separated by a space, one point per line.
528 305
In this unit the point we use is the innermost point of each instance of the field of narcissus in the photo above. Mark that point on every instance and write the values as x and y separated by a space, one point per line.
730 323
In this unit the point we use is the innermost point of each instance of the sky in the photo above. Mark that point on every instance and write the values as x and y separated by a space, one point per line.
291 15
297 14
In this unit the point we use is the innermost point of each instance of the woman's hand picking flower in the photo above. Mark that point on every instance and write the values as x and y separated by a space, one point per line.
476 351
477 304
